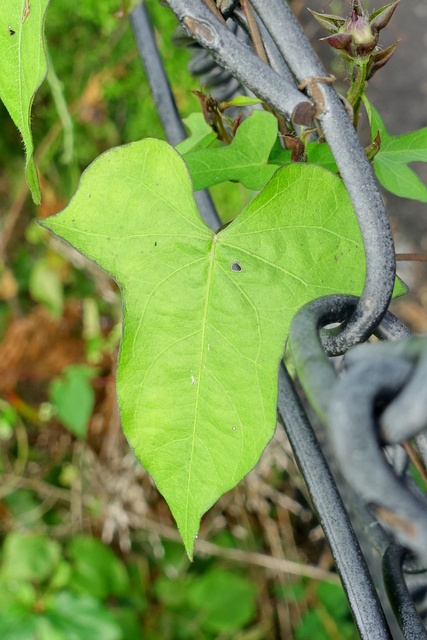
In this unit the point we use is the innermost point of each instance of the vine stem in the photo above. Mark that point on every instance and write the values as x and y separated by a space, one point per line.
411 257
357 89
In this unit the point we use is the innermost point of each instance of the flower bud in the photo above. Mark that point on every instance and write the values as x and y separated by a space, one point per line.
357 37
379 59
338 40
329 22
364 40
380 18
372 150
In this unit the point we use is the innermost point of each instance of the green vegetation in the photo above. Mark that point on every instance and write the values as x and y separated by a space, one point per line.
68 476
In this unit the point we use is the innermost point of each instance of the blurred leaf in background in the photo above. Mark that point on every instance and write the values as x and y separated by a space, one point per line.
73 397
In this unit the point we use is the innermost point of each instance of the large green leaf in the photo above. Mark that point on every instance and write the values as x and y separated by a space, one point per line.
206 315
244 160
391 161
23 67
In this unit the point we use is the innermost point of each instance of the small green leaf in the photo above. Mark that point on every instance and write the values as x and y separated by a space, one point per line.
45 286
241 101
244 160
96 570
29 557
201 134
224 601
320 153
80 617
396 152
73 396
206 315
18 622
15 592
23 68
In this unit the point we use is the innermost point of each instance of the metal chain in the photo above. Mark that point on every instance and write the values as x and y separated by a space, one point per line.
377 400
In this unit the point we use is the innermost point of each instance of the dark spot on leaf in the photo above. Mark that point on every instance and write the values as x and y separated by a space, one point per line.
11 31
235 266
155 244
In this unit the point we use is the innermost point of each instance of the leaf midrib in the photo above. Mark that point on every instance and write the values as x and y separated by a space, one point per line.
199 377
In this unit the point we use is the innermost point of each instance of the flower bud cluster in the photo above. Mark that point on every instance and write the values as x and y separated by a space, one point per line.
357 37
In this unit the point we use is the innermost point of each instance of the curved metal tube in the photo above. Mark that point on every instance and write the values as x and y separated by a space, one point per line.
355 434
355 170
238 58
349 559
406 417
273 54
399 596
165 102
314 370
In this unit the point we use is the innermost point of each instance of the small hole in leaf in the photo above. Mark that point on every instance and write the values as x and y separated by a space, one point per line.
235 266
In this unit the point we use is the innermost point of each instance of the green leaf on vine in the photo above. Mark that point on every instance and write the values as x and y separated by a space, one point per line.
201 134
396 152
206 315
240 101
245 160
23 68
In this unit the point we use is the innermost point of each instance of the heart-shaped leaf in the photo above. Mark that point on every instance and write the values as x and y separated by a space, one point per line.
23 67
244 160
206 315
